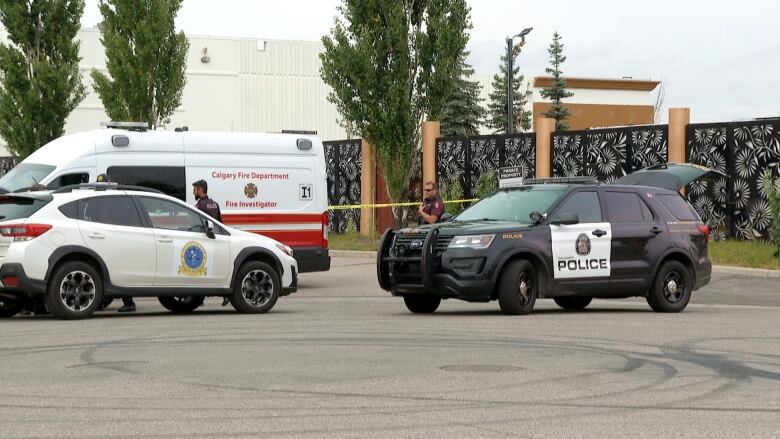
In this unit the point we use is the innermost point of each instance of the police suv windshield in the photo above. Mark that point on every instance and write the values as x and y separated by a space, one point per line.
513 204
25 175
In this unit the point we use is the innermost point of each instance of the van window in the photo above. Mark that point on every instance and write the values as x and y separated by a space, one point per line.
166 179
25 175
69 179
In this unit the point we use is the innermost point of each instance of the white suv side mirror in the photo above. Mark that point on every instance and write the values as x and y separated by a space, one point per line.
210 229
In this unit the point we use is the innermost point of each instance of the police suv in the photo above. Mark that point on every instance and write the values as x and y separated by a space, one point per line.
77 245
567 239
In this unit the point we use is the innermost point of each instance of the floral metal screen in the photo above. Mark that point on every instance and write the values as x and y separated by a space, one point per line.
343 162
465 159
609 154
748 155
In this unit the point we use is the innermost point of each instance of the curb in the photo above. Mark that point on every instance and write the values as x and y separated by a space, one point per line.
741 271
719 269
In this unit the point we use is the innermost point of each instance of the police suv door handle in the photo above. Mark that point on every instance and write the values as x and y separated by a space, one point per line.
656 230
165 240
599 233
96 236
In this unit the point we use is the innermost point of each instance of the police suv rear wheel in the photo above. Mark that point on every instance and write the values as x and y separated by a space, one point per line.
422 303
9 307
181 304
75 291
257 288
573 303
518 288
672 288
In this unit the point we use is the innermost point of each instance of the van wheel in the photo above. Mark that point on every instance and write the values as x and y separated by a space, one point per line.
9 307
518 288
574 303
257 288
181 304
422 303
672 288
75 291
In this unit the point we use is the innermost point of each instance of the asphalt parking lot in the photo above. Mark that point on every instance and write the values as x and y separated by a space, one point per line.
340 358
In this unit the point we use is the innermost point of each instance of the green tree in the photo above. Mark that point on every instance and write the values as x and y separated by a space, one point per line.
391 64
497 106
463 113
557 93
146 60
40 82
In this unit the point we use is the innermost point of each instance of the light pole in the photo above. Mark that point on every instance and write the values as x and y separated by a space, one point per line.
510 74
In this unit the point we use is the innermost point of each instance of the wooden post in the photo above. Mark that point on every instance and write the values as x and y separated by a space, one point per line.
679 118
367 188
430 132
544 130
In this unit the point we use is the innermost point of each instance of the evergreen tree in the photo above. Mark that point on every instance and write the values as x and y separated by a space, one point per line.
497 111
40 82
463 113
392 64
146 60
557 92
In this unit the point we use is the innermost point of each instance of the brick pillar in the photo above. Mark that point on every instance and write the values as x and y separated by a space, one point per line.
544 129
679 118
430 132
367 188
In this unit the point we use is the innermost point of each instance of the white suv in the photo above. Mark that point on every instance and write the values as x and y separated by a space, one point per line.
80 245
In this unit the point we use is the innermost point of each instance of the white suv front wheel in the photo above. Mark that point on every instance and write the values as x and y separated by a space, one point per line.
75 291
257 288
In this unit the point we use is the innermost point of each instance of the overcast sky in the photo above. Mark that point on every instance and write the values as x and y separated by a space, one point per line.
720 58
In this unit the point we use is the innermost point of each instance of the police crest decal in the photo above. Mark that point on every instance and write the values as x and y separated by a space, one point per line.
582 245
192 260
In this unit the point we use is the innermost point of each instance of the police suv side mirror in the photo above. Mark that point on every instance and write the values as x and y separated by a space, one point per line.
536 217
565 219
210 229
446 218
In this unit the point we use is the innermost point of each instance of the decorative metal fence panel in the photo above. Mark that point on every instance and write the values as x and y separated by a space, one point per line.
748 153
465 159
343 161
609 154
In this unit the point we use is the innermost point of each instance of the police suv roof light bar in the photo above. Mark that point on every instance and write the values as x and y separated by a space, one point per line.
130 126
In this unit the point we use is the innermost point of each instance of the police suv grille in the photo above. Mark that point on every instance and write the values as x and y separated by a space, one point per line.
442 243
409 245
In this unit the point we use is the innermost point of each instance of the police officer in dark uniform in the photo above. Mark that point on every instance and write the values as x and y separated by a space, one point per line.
128 305
432 207
205 204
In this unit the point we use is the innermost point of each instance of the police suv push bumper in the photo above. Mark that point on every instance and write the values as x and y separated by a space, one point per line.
412 262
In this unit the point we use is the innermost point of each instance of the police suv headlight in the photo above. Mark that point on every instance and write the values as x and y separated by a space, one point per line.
285 249
472 241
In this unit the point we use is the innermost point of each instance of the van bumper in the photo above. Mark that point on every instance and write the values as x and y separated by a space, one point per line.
312 259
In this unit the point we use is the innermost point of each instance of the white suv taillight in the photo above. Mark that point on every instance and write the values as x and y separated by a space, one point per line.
24 232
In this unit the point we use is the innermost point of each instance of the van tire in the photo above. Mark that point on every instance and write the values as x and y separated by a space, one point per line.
661 297
518 288
75 291
181 304
422 303
9 307
573 302
257 288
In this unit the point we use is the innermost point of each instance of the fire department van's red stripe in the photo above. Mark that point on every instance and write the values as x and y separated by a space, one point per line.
294 238
272 218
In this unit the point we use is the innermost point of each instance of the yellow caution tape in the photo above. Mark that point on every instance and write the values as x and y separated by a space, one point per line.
359 206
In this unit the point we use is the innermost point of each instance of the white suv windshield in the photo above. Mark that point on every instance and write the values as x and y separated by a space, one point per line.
25 175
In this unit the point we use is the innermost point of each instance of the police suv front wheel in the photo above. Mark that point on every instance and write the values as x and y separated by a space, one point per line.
257 288
75 291
518 288
422 303
672 288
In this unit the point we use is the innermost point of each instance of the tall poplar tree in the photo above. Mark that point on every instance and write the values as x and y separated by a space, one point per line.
463 113
557 93
391 65
40 81
146 60
497 105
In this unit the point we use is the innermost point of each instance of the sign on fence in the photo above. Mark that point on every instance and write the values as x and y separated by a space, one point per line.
511 176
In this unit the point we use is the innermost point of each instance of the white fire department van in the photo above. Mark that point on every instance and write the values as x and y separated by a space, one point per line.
270 184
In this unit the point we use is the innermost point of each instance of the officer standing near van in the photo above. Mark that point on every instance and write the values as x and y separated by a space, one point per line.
432 207
200 189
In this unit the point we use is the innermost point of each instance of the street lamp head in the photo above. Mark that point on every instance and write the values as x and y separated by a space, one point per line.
525 32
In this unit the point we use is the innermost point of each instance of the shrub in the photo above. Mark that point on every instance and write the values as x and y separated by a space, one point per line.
487 184
449 191
773 193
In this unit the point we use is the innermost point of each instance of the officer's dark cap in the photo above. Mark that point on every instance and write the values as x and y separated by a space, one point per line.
201 184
